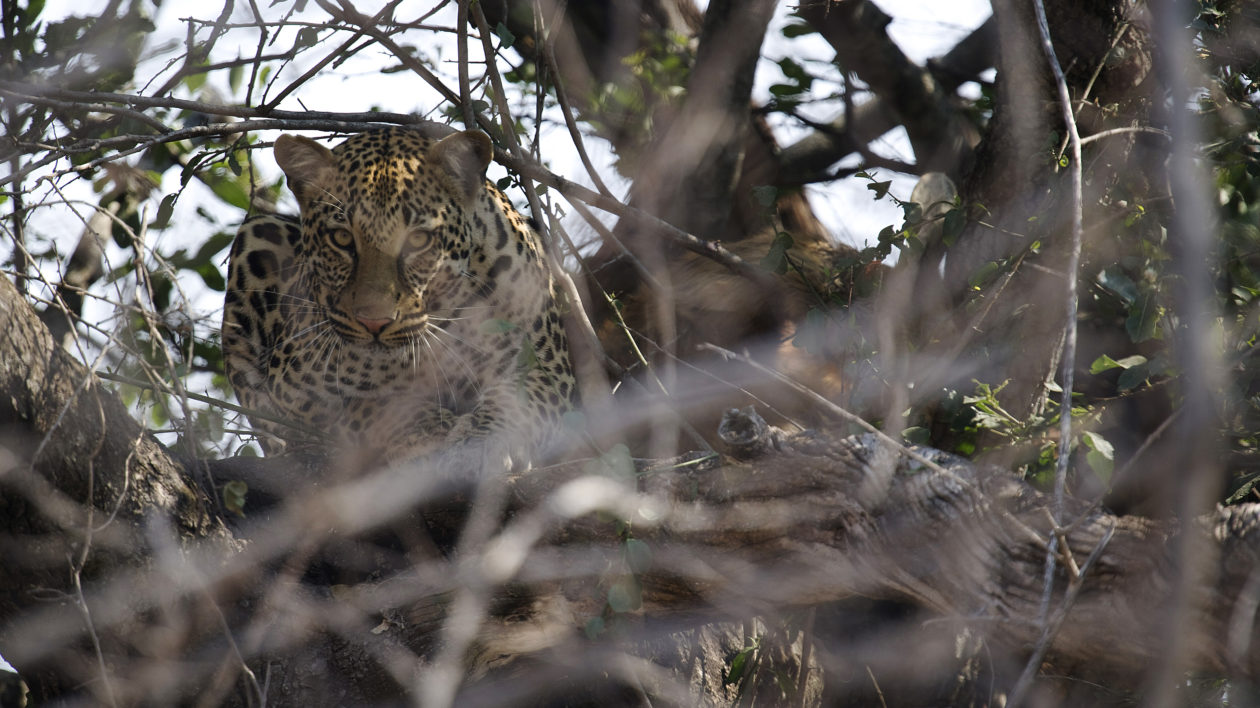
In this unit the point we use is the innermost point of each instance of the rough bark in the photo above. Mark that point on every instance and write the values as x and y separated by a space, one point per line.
86 492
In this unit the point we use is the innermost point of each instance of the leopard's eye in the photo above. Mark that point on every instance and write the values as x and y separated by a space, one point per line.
419 239
342 238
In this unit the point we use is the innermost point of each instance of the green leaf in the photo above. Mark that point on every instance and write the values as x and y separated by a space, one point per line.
497 326
952 226
638 556
1098 443
1116 281
234 496
213 245
984 274
506 38
1101 455
880 188
792 70
190 168
625 595
1133 377
157 414
1101 465
738 666
1143 318
617 462
235 74
1138 212
212 276
165 209
231 192
195 81
1105 363
916 435
594 627
574 421
776 259
307 37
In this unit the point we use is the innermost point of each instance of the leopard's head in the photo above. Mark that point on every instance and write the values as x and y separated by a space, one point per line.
387 225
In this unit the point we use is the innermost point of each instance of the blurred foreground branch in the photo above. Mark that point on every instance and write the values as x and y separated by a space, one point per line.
815 520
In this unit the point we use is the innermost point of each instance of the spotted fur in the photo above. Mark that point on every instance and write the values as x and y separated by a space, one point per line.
409 310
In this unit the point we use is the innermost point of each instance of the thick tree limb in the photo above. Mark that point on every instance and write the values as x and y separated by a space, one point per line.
689 175
905 93
798 527
808 157
60 426
79 481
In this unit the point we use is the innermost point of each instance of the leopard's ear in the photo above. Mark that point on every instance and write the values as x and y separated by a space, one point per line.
462 160
306 163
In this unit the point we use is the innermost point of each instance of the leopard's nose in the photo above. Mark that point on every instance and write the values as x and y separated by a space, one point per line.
372 324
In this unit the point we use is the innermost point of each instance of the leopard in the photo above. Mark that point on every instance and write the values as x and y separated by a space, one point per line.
408 309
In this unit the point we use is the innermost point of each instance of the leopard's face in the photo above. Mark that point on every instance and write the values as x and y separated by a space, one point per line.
410 306
386 237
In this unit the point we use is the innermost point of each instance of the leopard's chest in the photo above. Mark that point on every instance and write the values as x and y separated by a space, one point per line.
316 374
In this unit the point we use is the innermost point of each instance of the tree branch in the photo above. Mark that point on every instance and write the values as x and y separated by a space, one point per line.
904 93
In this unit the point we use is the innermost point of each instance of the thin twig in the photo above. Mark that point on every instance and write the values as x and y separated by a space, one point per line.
31 92
1089 85
1052 625
258 119
162 387
1068 362
348 14
337 54
562 97
1126 129
1074 259
879 692
461 44
81 602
